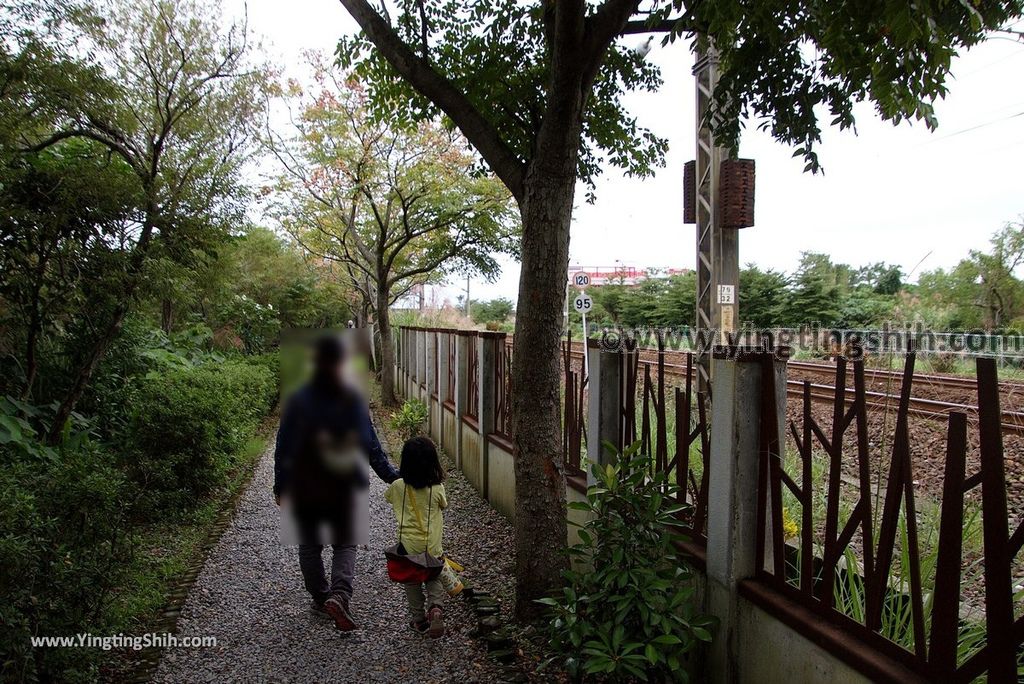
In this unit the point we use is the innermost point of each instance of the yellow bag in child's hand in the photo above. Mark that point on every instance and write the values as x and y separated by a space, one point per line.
449 580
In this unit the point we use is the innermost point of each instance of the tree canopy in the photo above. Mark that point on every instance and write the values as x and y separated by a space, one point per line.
396 205
788 67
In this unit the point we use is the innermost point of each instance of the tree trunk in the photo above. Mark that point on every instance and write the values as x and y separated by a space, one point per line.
31 359
166 315
387 353
85 373
540 521
103 342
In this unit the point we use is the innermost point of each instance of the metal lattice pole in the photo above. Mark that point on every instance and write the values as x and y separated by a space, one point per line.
717 248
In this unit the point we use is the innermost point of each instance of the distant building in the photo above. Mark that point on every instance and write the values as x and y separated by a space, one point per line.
623 275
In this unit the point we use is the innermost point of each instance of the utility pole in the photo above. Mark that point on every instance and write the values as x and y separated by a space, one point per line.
717 247
467 295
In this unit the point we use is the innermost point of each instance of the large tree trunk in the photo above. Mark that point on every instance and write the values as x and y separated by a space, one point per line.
85 372
540 522
387 354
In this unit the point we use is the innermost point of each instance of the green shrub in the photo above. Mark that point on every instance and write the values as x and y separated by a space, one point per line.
628 609
189 423
409 421
64 545
944 363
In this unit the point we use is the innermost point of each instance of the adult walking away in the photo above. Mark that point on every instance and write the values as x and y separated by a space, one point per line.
320 476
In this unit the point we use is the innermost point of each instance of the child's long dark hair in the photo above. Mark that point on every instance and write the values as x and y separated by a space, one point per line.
420 465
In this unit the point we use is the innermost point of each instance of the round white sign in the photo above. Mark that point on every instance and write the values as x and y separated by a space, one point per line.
580 279
583 303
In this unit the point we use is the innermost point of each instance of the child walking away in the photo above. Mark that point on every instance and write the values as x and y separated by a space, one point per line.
418 499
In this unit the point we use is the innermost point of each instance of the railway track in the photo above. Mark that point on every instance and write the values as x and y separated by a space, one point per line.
934 409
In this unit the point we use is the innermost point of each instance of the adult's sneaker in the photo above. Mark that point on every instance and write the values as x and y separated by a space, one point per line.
337 608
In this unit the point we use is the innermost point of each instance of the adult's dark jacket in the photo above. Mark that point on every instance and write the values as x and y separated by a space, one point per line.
324 442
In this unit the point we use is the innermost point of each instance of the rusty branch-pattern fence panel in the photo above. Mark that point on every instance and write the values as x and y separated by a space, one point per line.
690 429
813 575
574 410
503 388
472 375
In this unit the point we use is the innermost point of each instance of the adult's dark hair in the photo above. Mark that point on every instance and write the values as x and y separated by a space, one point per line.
420 465
328 354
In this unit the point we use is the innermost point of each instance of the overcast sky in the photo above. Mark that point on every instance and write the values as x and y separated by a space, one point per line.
896 194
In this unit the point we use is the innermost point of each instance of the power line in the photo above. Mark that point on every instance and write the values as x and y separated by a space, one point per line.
976 127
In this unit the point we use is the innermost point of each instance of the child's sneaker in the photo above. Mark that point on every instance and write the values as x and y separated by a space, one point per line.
337 608
435 627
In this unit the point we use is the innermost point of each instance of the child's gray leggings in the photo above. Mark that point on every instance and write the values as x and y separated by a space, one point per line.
420 600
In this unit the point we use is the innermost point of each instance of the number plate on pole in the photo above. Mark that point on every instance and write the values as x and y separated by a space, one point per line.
580 279
582 303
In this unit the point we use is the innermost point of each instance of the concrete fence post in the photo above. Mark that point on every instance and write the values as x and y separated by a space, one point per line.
409 356
463 349
604 409
399 337
424 358
443 361
431 367
487 348
396 345
736 414
417 361
401 361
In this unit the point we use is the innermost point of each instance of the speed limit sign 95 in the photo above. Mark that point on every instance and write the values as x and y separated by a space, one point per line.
583 302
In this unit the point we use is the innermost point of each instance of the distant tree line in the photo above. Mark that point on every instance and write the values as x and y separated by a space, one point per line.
982 292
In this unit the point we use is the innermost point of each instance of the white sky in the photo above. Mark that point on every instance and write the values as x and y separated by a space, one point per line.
894 194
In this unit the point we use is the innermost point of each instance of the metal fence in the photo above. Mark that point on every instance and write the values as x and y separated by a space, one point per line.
869 573
472 375
647 384
574 409
854 554
503 388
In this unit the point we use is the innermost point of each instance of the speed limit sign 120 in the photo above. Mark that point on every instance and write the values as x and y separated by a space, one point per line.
580 279
583 303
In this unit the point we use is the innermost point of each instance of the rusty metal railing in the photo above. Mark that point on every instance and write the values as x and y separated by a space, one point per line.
874 574
648 423
503 389
574 408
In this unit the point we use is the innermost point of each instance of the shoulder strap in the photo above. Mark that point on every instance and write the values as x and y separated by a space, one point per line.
416 508
401 520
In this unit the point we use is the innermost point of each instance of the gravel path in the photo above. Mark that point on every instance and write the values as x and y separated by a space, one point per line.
249 595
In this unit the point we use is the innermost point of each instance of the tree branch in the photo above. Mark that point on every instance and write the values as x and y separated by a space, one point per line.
602 27
644 26
439 90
